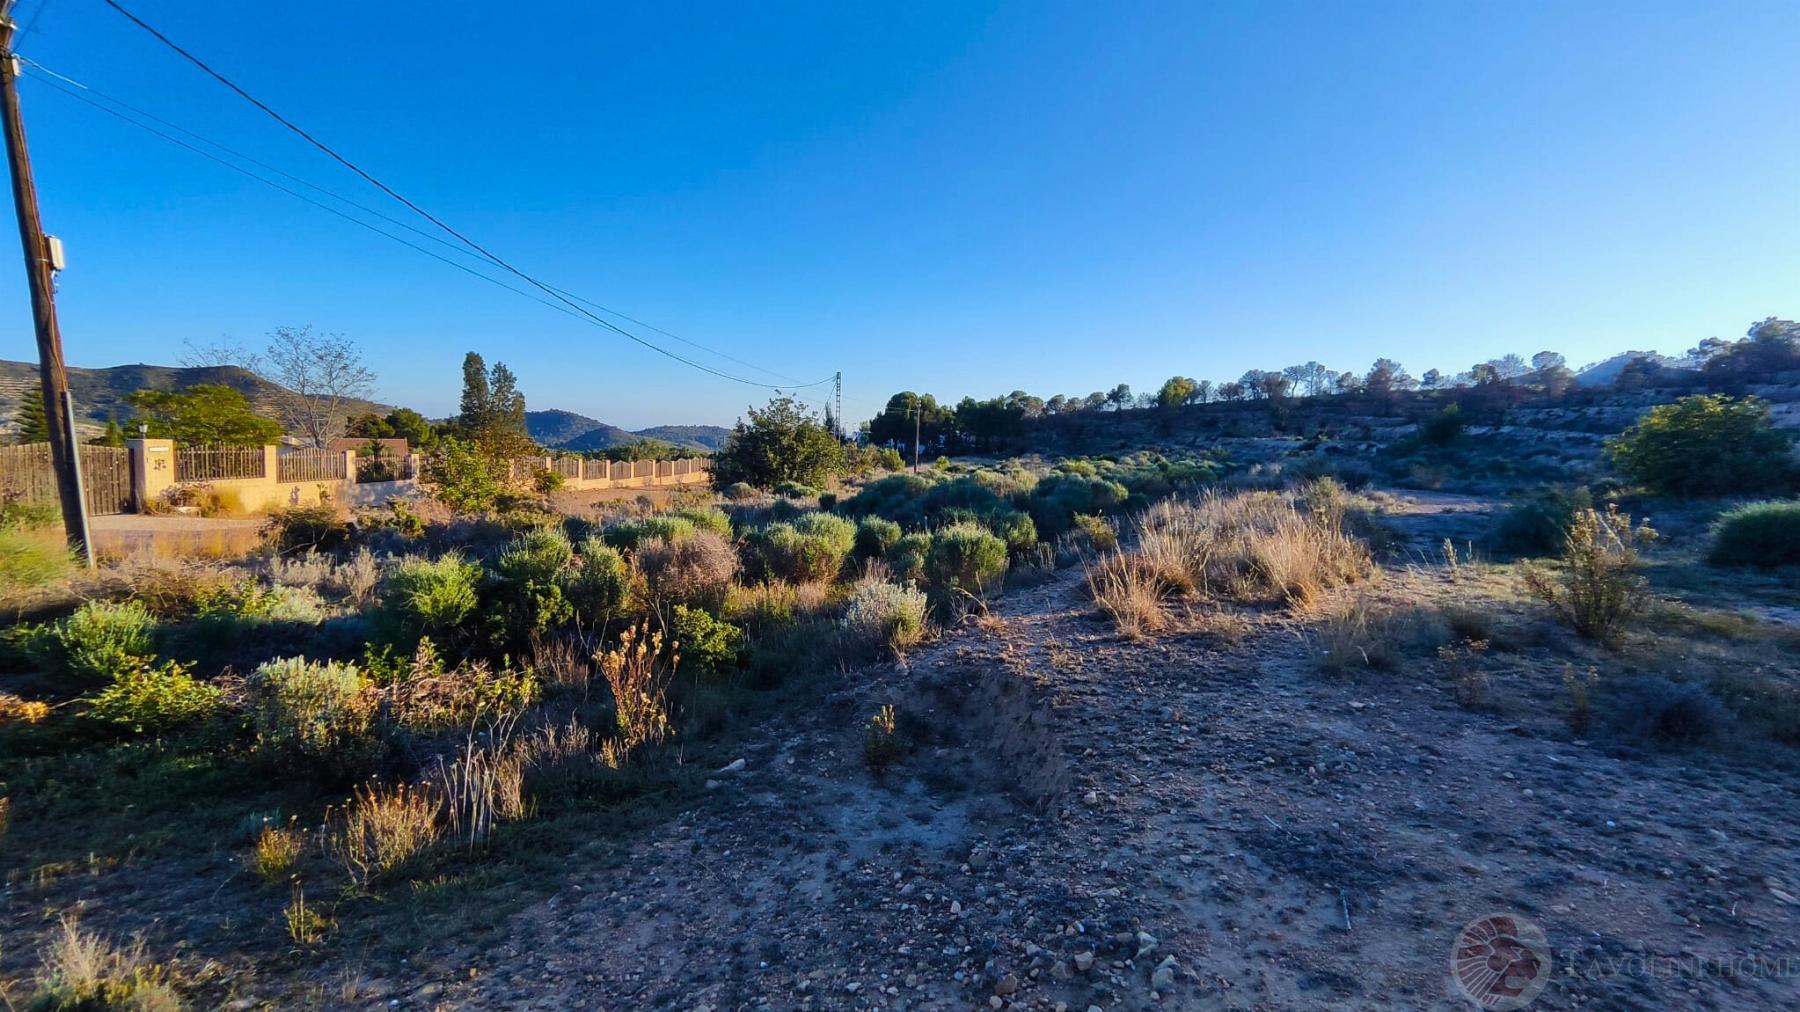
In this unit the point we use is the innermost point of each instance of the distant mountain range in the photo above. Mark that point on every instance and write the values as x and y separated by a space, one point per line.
566 430
100 393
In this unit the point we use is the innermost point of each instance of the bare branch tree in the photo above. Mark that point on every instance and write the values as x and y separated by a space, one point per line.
318 373
225 351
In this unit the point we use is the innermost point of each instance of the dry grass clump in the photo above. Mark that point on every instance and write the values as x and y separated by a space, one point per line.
557 756
382 830
482 788
638 671
1252 547
305 925
696 569
277 851
1129 589
1599 591
563 661
85 971
172 588
766 607
1359 636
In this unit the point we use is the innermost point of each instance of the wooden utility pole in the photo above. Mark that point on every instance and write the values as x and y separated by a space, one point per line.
38 274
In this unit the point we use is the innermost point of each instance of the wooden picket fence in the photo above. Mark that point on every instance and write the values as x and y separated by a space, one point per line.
26 473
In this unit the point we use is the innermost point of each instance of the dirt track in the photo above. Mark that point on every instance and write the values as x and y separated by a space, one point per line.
1080 809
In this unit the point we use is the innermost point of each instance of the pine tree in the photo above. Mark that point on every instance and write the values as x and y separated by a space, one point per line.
29 422
113 436
477 401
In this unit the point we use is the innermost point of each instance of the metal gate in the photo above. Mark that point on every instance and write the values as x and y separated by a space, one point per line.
25 471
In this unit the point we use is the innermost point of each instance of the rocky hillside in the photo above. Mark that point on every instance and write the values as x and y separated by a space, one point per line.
101 394
566 430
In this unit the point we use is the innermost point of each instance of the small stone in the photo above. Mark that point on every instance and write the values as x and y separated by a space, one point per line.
1060 970
1164 977
713 785
994 1001
1084 961
735 766
955 907
1091 798
1146 944
1008 984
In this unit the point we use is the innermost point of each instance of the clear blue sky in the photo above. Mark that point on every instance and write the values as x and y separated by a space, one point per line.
952 197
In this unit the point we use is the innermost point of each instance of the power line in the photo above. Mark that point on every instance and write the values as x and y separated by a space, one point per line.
427 215
40 69
303 197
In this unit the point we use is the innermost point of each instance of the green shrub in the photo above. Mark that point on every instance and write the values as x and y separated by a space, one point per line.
629 534
432 597
102 640
1707 444
1758 534
874 536
707 645
1536 524
795 490
1443 428
305 528
967 493
705 519
146 699
813 547
600 588
885 614
837 532
529 585
314 716
965 557
1059 497
906 557
780 443
739 491
463 477
890 458
234 600
1015 528
547 481
898 497
1100 535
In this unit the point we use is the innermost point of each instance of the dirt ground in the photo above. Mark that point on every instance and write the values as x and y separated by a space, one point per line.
1203 820
1087 821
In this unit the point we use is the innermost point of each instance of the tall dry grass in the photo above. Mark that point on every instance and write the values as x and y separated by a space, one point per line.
481 788
382 830
1252 547
1128 590
82 970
